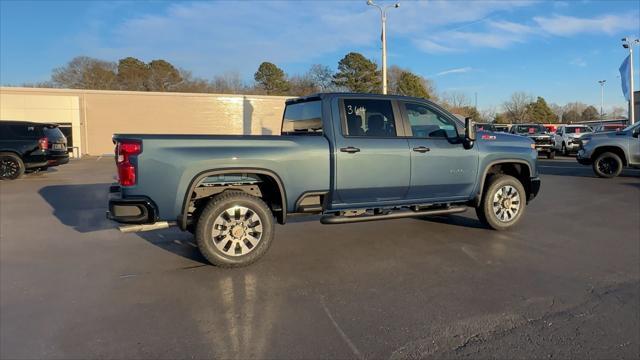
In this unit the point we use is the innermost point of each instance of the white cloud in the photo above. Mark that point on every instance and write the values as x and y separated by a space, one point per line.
430 46
213 37
568 25
455 71
578 62
511 27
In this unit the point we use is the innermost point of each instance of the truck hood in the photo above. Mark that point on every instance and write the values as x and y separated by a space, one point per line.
579 135
601 135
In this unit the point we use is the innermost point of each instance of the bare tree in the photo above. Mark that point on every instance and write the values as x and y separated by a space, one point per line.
516 108
321 76
455 99
83 72
487 115
618 112
557 110
192 84
229 83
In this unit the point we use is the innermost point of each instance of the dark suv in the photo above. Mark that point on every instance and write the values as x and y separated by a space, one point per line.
30 146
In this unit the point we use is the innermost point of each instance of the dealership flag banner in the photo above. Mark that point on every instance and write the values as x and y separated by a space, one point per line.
625 74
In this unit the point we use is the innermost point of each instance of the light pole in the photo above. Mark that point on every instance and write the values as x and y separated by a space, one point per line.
629 43
601 82
383 17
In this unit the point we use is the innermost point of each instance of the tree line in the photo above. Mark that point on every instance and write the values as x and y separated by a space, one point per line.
355 73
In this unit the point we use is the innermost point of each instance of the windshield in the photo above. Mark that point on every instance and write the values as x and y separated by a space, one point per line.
578 130
632 126
530 129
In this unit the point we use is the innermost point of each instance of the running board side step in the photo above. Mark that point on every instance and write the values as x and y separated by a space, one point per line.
333 219
146 227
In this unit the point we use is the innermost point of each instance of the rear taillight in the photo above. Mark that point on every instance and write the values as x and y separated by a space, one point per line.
125 149
43 143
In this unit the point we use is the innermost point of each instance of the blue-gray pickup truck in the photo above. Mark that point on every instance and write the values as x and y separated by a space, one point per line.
346 157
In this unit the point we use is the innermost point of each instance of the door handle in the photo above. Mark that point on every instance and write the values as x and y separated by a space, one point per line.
421 149
350 149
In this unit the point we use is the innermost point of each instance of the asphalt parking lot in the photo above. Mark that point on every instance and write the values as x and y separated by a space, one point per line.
564 284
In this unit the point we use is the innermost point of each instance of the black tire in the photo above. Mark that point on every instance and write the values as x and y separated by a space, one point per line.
551 155
485 209
11 166
607 165
228 256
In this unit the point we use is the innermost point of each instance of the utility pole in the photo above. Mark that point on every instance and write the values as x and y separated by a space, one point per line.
601 82
383 18
629 43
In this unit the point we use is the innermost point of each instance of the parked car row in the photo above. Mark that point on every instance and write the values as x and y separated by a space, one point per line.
608 148
28 146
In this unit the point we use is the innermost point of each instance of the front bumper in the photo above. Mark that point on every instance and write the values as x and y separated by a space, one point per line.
544 147
131 210
534 188
583 158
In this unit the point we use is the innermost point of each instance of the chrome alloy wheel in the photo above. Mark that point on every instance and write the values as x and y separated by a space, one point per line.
506 203
237 231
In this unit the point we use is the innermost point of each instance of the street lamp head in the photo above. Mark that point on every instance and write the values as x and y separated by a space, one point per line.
369 2
625 45
397 5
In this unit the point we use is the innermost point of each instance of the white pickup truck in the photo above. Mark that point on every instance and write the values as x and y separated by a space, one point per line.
567 138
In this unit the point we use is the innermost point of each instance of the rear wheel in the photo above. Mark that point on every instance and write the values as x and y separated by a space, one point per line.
551 155
607 165
503 202
11 166
235 229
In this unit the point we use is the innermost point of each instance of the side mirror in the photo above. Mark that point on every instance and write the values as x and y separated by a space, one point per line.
469 133
636 132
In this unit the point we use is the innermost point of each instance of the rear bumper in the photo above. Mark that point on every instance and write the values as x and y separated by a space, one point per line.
534 188
57 159
35 165
132 210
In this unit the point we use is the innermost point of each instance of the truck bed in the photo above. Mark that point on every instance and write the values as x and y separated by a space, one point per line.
170 162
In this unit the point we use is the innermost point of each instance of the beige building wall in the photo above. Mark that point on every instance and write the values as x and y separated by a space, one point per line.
97 115
41 107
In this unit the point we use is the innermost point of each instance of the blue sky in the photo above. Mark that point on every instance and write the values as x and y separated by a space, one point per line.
555 49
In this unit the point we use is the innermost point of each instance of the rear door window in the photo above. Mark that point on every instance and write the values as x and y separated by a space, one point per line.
369 118
304 118
21 131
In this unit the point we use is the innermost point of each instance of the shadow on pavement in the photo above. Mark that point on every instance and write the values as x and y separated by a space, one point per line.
565 168
83 207
456 220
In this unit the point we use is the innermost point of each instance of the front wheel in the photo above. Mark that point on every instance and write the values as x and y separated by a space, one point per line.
235 229
607 165
11 166
503 202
